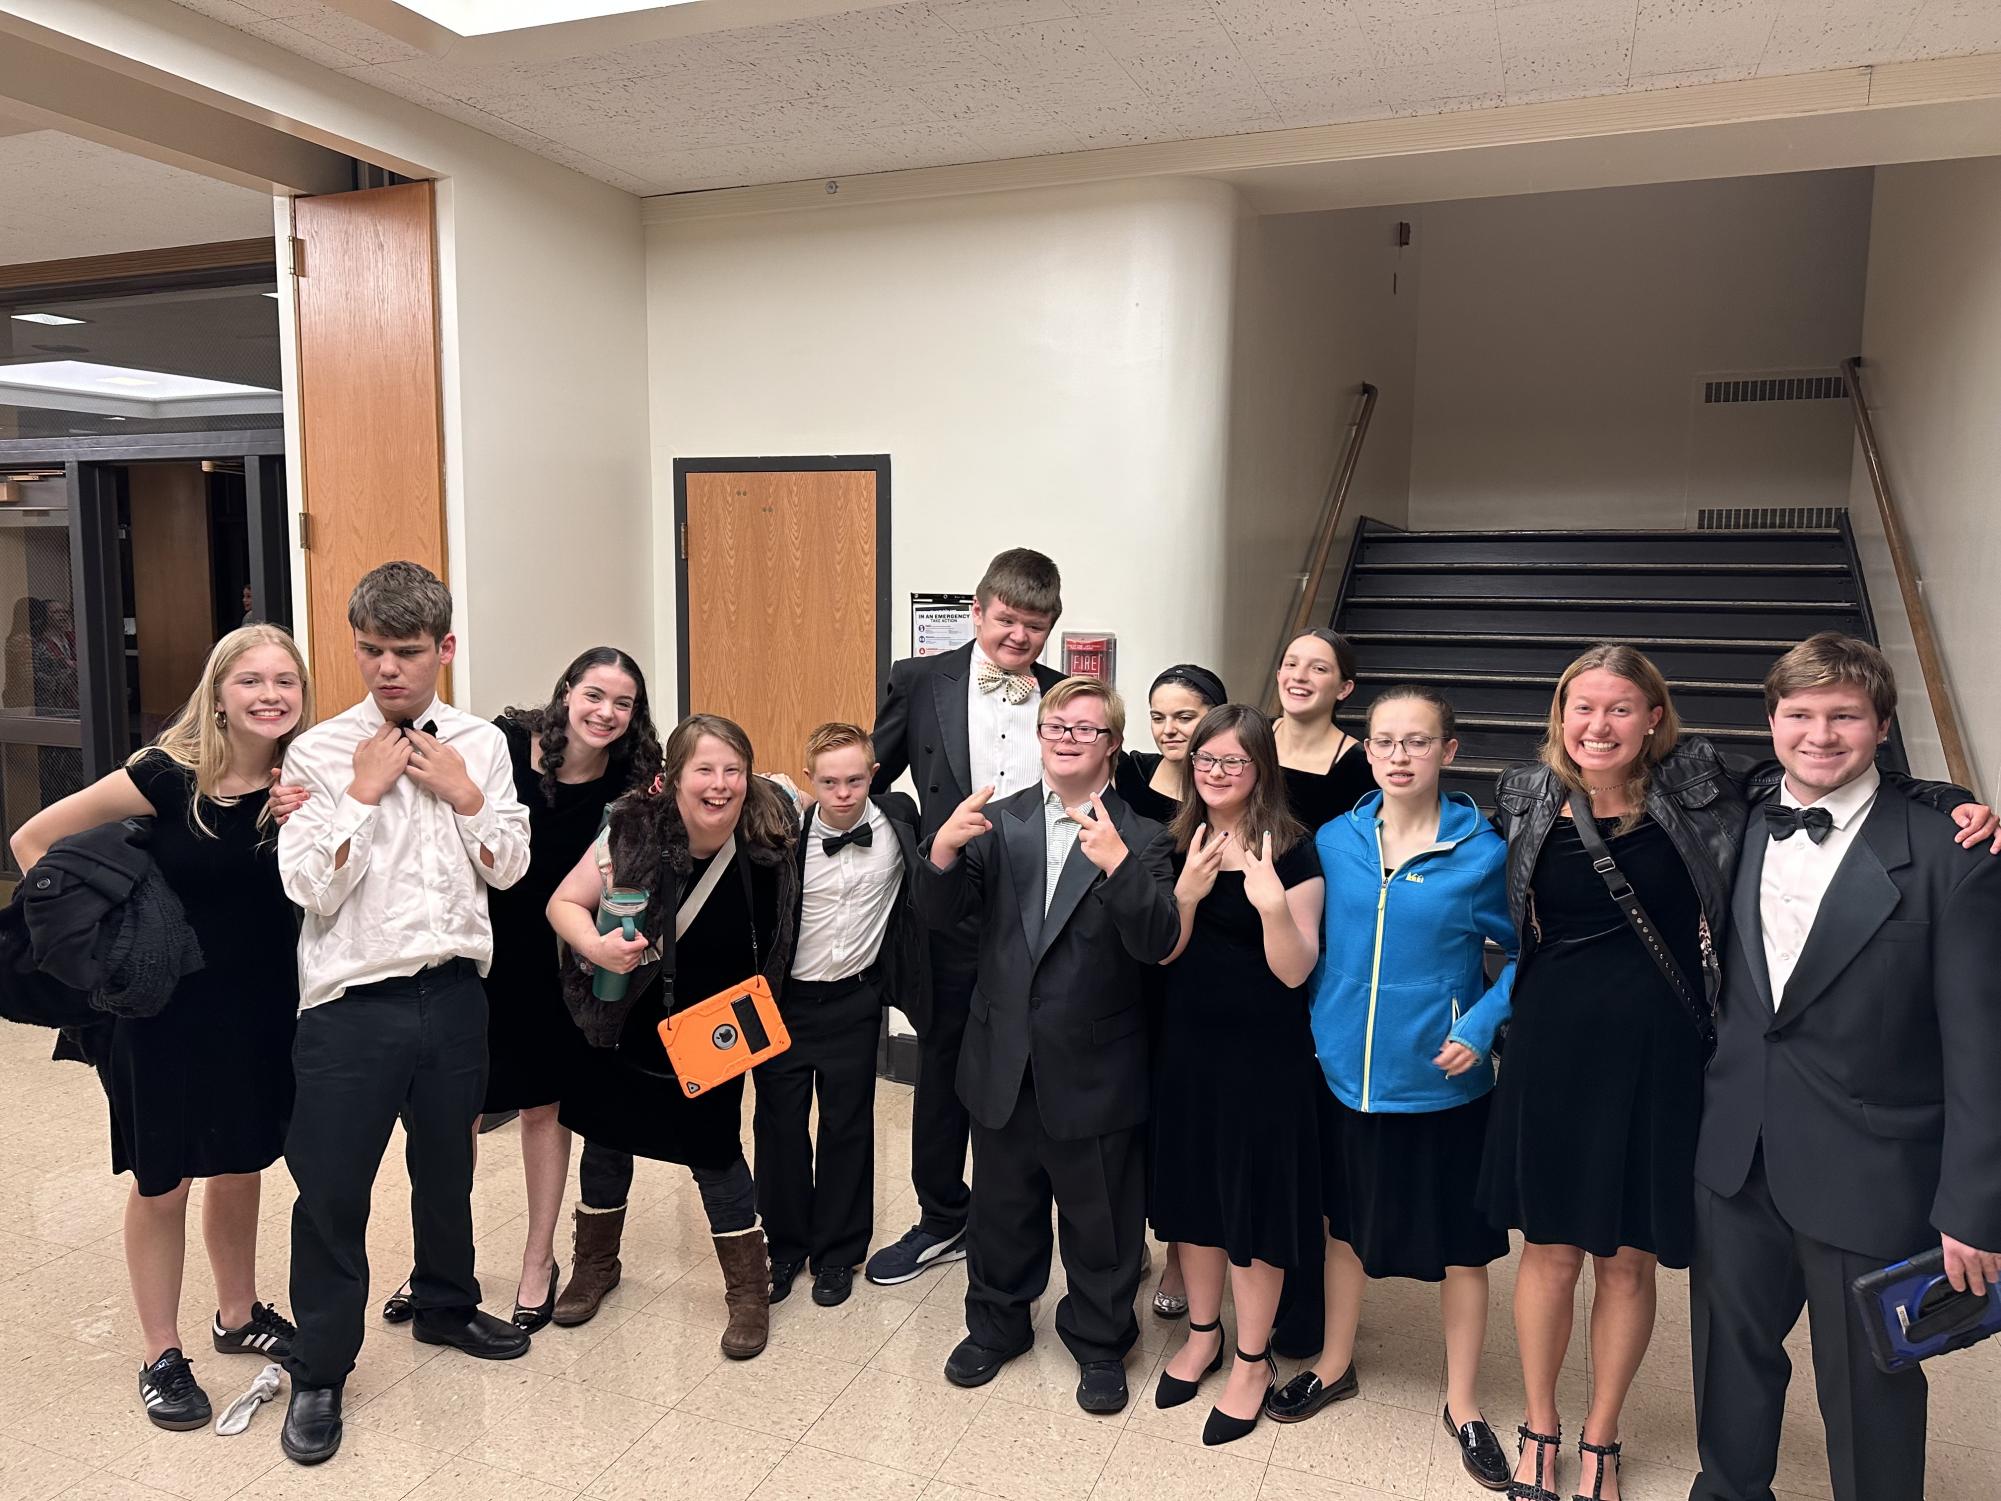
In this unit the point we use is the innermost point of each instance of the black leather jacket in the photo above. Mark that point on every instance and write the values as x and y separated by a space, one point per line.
1698 799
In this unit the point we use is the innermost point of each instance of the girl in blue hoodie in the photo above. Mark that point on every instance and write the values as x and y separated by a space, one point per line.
1403 1022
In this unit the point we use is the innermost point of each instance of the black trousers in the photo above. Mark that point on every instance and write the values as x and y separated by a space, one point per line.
1752 1274
414 1047
729 1198
819 1203
939 1125
1099 1187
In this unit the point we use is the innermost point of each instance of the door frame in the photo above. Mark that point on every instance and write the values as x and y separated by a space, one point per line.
876 463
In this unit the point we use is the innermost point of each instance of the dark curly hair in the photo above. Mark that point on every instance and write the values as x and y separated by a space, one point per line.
636 756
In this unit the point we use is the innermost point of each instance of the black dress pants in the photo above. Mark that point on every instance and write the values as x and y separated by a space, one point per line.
1099 1187
1752 1274
939 1125
819 1204
414 1047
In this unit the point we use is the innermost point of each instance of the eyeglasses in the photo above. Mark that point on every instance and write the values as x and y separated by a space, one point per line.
1083 734
1230 766
1417 747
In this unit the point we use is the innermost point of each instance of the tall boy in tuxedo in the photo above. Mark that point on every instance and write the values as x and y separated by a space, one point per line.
958 721
1073 896
1850 1117
860 947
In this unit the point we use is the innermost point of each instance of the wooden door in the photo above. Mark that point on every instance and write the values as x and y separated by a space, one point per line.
783 613
370 432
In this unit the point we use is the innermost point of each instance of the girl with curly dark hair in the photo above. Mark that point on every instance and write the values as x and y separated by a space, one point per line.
591 743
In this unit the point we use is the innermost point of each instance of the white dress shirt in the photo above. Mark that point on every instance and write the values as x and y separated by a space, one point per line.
1798 872
1001 751
847 900
409 895
1059 837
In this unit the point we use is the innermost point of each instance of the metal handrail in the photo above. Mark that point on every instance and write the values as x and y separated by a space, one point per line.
1332 504
1931 662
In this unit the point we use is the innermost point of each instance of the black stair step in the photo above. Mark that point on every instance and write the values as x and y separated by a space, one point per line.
1490 620
1683 587
1623 565
1380 545
1528 696
1415 654
1581 602
1536 726
1609 534
1547 681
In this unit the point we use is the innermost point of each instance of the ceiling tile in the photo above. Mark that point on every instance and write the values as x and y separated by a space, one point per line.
1325 98
359 40
985 15
1678 36
1953 28
1294 38
1813 34
1562 48
1451 54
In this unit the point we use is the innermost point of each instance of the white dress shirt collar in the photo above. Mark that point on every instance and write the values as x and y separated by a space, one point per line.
1843 804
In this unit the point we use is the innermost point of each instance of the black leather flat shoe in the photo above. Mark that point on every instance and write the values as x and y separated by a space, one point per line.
1172 1391
530 1320
1480 1452
1304 1395
397 1308
783 1274
973 1364
831 1285
481 1336
1101 1386
312 1430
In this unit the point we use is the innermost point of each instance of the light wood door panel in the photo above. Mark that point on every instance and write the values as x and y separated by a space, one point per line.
781 603
172 599
373 449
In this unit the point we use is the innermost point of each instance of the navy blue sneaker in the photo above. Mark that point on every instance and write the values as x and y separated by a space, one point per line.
914 1255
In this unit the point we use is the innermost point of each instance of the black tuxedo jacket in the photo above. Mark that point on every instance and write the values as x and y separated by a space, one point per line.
1061 993
1874 1087
922 727
905 960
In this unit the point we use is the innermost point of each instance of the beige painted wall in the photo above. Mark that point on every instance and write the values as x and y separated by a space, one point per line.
1561 338
1323 303
1044 369
1931 345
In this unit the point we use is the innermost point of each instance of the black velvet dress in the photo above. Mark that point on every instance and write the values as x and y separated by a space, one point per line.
1132 777
531 1044
1235 1144
1592 1138
1318 797
205 1088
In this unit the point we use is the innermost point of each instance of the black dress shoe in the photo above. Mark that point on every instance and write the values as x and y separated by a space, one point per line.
533 1320
831 1285
312 1428
782 1275
1481 1452
1304 1395
973 1364
481 1336
1101 1386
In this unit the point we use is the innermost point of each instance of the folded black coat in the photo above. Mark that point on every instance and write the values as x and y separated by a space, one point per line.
102 920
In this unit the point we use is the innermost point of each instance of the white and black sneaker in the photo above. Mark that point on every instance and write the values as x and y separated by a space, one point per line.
914 1255
168 1392
269 1334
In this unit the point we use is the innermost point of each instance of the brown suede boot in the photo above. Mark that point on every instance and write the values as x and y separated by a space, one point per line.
747 1288
594 1266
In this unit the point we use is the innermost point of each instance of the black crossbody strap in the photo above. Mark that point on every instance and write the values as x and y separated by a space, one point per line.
1628 901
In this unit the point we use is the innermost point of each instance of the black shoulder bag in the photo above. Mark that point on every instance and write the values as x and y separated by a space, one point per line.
1636 915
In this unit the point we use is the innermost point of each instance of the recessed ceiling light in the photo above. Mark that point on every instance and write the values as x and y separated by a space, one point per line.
124 380
112 390
54 320
272 295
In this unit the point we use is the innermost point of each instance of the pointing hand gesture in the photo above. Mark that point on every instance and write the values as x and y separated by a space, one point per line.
1261 882
1198 873
1097 836
965 825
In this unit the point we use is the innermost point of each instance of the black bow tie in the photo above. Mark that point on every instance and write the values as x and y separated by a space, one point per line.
429 726
1782 822
861 834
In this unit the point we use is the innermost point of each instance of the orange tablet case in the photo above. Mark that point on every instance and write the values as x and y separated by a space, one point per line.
734 1030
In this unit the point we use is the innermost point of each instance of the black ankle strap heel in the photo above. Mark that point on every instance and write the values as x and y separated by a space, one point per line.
1604 1452
1172 1391
1538 1489
1221 1428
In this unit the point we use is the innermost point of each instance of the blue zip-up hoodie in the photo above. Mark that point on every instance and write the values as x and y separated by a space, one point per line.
1403 961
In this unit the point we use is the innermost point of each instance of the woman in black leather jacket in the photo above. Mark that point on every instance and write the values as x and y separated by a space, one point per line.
1591 1145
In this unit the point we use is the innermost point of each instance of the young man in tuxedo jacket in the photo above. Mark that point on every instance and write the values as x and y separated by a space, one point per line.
958 721
860 947
1850 1118
1073 894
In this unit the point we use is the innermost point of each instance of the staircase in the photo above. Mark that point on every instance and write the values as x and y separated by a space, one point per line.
1493 618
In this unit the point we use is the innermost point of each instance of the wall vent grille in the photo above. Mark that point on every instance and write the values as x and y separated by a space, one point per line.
1769 518
1775 388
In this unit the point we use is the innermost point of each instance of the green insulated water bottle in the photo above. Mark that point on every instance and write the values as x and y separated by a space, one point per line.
620 907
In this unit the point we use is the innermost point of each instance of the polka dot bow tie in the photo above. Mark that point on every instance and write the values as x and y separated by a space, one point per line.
1015 687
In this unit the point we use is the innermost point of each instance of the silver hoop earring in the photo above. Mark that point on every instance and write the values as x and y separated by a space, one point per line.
221 720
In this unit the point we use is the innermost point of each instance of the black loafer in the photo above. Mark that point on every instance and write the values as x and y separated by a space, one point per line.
312 1428
1101 1386
1304 1395
782 1275
973 1364
1481 1452
481 1336
831 1285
